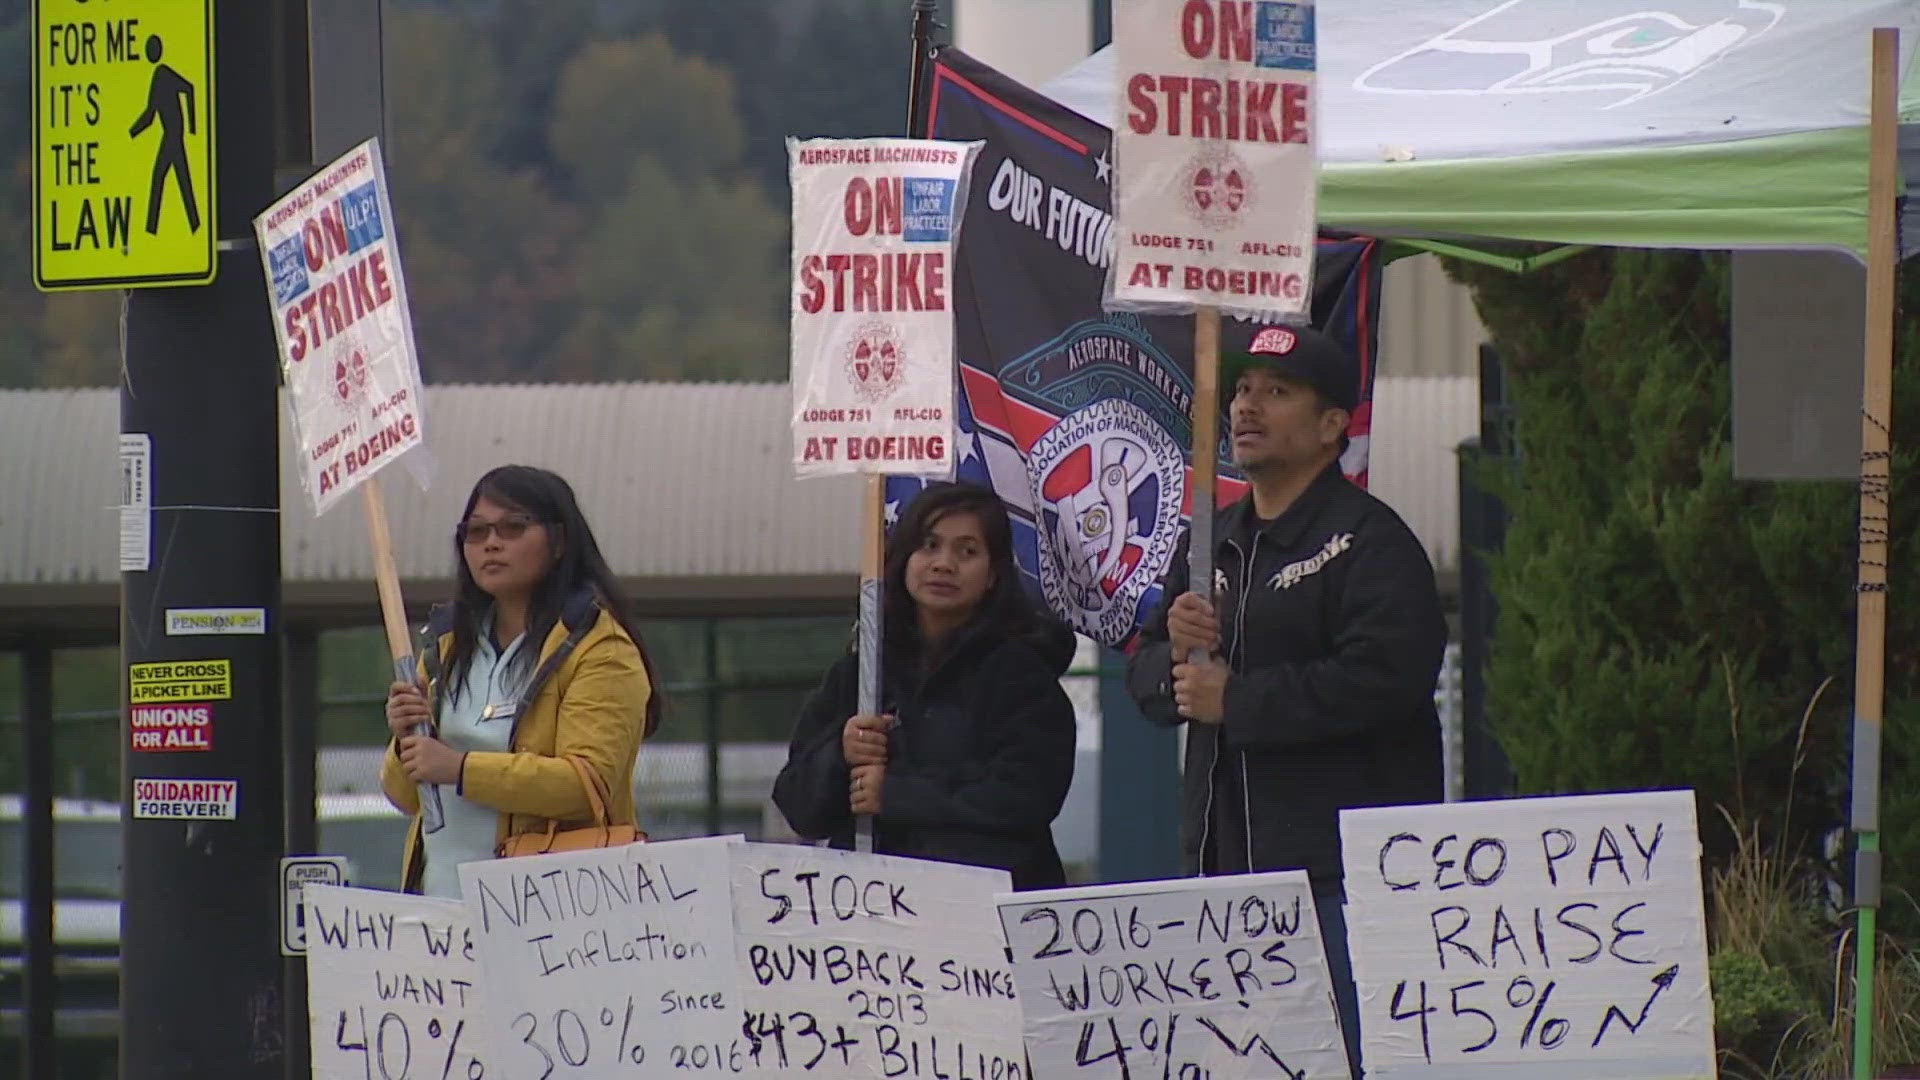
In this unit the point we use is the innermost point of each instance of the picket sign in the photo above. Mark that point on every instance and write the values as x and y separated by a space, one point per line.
1215 179
1514 938
872 966
1530 937
718 956
613 962
1220 977
347 354
393 986
1216 164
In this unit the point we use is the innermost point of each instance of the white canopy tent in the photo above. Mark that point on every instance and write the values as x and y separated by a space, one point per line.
1707 124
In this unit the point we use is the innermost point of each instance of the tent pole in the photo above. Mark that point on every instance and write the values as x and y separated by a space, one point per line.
1510 263
1875 493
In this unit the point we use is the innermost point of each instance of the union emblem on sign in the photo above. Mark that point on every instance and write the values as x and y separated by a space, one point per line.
1219 187
875 358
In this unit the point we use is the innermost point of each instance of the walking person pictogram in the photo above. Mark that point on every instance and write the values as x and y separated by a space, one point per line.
164 103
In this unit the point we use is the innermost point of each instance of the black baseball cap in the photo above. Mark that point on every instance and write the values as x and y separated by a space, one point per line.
1298 352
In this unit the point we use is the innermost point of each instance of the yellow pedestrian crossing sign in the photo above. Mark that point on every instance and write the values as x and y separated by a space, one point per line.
123 171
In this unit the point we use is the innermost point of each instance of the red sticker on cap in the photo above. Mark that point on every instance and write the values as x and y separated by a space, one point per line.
1274 339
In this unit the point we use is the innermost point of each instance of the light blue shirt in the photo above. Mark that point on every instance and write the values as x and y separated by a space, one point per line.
478 718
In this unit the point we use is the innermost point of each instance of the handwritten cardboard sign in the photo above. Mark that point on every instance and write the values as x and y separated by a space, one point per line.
1206 977
617 962
1530 937
393 986
872 966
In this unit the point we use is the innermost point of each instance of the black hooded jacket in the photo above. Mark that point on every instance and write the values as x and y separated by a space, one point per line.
1331 624
978 764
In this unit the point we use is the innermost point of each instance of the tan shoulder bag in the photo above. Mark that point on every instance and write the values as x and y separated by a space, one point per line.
602 834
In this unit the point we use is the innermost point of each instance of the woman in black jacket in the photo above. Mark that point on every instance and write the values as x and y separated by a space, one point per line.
973 757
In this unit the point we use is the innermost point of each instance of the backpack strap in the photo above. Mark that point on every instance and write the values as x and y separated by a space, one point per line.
579 615
439 625
581 612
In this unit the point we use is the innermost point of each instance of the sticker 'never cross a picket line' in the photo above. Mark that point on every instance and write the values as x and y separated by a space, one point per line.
180 681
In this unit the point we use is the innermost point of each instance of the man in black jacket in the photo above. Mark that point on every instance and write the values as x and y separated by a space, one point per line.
1322 643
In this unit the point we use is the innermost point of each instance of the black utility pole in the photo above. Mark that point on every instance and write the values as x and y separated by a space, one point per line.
201 975
36 895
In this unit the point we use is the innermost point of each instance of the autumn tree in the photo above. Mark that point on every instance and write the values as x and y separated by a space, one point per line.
583 190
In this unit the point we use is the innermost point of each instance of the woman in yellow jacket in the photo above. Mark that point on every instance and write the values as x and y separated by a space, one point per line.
506 719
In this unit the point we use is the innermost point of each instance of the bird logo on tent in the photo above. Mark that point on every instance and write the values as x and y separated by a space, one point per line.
1526 47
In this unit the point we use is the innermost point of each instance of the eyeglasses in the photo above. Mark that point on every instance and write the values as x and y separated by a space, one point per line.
507 528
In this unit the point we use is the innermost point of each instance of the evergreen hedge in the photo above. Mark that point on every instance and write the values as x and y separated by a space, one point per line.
1662 624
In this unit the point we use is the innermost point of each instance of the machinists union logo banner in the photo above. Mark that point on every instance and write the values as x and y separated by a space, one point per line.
1076 416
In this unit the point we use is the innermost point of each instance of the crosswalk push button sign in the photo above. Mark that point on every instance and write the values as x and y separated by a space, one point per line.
297 872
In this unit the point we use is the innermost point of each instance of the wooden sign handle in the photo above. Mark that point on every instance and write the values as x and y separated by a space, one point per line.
393 614
1206 446
872 573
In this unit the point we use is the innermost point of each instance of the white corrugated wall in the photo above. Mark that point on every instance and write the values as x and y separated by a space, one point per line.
1417 424
632 450
1428 325
680 479
1426 400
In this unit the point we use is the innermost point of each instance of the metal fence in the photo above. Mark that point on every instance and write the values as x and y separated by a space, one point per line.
1449 701
697 781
